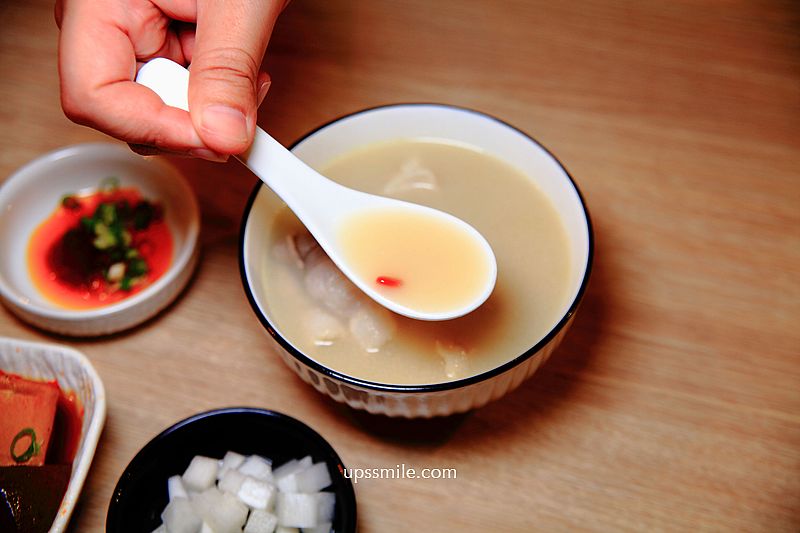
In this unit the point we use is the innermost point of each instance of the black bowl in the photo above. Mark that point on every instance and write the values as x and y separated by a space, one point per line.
141 492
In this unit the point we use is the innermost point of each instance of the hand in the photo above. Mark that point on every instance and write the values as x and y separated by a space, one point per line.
103 42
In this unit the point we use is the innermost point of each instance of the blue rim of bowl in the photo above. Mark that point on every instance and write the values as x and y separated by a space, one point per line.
432 387
350 495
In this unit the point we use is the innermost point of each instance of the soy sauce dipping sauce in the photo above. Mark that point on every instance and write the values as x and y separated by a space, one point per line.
99 248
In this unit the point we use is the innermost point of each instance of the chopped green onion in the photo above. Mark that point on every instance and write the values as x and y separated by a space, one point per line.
108 213
88 223
105 239
33 448
110 229
137 267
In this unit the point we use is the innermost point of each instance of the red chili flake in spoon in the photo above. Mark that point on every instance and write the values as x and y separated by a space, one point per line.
387 281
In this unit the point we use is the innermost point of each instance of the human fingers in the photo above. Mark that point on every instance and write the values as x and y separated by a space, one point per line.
99 45
226 81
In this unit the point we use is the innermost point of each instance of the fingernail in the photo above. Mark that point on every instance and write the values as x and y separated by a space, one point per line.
225 122
262 91
208 155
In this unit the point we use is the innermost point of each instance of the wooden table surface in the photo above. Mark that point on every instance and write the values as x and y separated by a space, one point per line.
674 402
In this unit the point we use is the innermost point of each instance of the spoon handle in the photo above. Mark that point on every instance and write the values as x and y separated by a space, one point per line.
303 189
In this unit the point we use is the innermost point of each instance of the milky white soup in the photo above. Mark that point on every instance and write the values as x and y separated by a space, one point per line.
417 260
326 317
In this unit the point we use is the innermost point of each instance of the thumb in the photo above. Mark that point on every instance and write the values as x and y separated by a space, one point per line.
230 41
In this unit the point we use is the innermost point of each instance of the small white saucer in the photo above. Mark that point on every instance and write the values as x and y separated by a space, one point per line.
31 194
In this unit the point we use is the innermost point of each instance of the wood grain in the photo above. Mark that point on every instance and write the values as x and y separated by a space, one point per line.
674 404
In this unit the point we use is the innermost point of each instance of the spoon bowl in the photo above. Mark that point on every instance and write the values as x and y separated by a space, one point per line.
443 249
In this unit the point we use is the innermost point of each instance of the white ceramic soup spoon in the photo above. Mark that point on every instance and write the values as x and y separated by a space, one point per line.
452 268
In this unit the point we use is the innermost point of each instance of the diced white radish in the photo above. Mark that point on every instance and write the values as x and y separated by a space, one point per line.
297 509
257 467
256 494
311 479
326 506
372 326
223 512
314 478
323 527
286 468
323 327
261 522
180 517
246 485
175 488
288 483
292 466
231 482
201 473
231 461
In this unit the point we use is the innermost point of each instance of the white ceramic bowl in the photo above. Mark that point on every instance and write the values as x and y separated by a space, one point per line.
74 372
419 121
28 197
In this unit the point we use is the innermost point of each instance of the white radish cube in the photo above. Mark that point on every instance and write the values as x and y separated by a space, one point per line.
284 529
232 481
292 466
231 461
302 478
313 478
323 527
288 483
261 522
257 467
201 473
206 529
256 493
286 468
223 512
175 488
297 509
180 517
326 505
